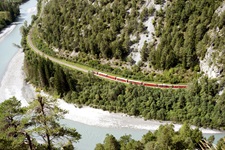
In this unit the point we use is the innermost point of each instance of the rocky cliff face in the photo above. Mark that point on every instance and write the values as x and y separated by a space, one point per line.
209 65
150 30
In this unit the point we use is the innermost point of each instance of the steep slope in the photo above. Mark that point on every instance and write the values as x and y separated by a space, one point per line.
101 28
182 33
177 36
200 104
213 62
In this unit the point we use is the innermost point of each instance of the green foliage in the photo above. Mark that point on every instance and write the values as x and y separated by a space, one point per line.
168 57
182 30
8 13
110 143
221 144
144 52
19 126
165 138
44 119
100 28
199 105
217 39
12 126
159 1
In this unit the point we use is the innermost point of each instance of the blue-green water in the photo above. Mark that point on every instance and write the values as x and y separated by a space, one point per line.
94 134
7 49
90 134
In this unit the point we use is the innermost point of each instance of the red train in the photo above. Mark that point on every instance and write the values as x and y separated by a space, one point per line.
135 82
121 79
139 82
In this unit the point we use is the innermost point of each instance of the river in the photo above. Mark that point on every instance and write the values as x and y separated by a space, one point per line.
12 35
92 128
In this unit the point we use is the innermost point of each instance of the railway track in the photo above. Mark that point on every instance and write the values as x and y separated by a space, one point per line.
135 82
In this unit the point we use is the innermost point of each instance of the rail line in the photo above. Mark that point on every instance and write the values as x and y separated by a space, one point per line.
140 83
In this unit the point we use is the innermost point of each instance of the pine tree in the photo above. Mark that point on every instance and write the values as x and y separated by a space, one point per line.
45 117
13 126
19 126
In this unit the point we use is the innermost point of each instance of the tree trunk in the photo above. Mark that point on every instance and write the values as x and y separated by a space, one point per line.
48 140
29 140
40 100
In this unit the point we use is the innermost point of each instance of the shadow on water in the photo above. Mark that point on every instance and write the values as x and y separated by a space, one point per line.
20 19
22 14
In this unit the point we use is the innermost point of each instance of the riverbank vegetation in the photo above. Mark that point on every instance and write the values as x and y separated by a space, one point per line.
164 138
8 13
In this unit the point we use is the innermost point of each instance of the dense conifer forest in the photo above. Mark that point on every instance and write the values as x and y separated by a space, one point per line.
182 36
101 28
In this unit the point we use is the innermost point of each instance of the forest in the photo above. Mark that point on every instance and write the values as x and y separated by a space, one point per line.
101 28
104 31
135 71
9 10
19 127
184 32
200 104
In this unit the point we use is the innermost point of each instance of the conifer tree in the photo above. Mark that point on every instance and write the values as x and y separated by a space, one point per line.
45 119
19 126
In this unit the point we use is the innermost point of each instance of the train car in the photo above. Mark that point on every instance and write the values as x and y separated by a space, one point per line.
179 86
150 84
161 85
164 86
182 86
121 79
135 82
111 77
167 86
102 74
175 87
139 82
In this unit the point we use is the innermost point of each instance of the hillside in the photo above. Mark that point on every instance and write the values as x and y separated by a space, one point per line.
101 28
170 41
200 104
188 31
